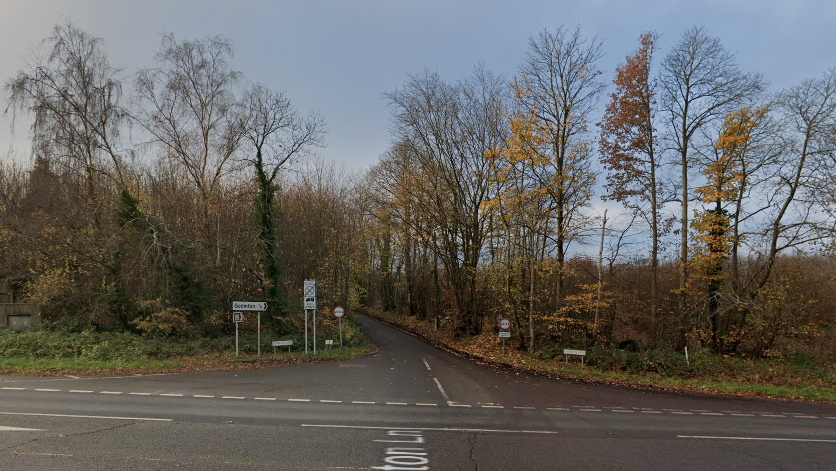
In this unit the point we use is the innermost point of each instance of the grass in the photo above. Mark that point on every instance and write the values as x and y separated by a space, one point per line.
791 379
41 352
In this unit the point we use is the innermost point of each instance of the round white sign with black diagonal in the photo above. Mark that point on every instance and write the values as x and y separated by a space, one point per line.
310 295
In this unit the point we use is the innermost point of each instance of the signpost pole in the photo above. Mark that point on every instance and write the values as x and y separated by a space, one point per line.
306 331
236 339
503 345
314 332
259 333
341 332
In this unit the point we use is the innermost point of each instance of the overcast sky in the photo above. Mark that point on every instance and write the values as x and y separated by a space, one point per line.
338 57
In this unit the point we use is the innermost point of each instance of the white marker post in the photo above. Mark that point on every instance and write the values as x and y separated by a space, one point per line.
339 312
309 294
237 318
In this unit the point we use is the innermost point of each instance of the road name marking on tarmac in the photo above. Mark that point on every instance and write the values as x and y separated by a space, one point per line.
427 364
432 429
73 416
765 439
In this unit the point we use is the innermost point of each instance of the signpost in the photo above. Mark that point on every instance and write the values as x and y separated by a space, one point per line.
237 318
281 343
329 344
309 296
251 306
505 325
339 312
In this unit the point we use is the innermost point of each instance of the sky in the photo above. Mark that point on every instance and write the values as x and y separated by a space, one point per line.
337 57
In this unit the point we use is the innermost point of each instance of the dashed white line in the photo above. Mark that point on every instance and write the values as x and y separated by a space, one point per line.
451 404
682 413
14 389
493 407
556 408
110 392
427 364
141 394
330 401
743 415
588 410
362 402
233 397
425 404
651 412
48 390
146 419
446 397
82 391
299 400
772 415
171 395
623 411
205 396
710 413
265 398
397 404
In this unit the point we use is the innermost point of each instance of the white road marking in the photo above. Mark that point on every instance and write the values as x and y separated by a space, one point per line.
233 397
397 403
588 410
451 404
556 408
446 397
362 402
83 391
438 429
48 390
683 413
171 395
494 407
18 429
436 405
146 419
743 415
772 415
330 401
427 364
710 413
205 396
766 439
299 400
14 389
651 412
622 410
263 398
806 417
141 394
110 392
524 407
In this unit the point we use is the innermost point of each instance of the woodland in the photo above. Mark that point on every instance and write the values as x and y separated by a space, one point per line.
150 202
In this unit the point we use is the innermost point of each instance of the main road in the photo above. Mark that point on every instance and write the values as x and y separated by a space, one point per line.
408 407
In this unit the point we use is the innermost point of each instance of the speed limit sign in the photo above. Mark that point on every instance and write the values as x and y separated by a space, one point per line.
339 312
505 323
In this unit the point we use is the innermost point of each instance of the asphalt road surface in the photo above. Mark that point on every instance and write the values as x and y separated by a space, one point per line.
409 407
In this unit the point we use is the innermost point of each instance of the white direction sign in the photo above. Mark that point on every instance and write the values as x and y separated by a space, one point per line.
339 312
505 335
310 295
256 306
505 323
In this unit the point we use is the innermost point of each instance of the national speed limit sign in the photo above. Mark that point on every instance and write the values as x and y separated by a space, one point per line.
505 323
339 312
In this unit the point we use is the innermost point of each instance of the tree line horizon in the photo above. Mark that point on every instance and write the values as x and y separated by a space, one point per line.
150 204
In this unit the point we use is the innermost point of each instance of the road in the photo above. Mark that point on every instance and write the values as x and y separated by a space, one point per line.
408 407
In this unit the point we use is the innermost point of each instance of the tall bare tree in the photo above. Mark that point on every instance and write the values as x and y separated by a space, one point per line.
560 84
701 82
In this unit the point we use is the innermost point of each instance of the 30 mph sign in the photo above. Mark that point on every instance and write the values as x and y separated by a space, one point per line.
339 312
505 323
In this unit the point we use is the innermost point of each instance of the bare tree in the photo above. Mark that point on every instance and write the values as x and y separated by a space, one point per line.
275 134
701 82
559 83
74 95
187 103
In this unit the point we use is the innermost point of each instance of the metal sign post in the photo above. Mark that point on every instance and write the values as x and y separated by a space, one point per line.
237 317
505 325
309 296
339 312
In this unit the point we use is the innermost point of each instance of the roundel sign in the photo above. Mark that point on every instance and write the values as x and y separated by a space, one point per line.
339 311
505 323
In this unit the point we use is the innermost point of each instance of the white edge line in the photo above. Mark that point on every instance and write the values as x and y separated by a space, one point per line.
440 429
146 419
765 439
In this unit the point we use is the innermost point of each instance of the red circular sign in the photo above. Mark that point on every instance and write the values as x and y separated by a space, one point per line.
505 323
339 311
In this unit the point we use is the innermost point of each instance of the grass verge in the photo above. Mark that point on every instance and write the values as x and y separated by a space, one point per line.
706 373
